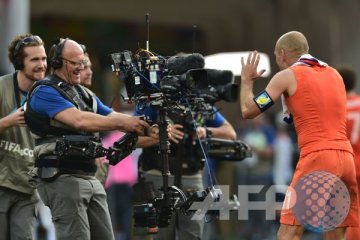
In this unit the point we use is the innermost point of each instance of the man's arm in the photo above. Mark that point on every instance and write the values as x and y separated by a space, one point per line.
93 122
144 142
175 134
282 82
225 131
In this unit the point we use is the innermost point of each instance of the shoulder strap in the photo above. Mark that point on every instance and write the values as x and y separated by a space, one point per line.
88 97
16 89
69 92
62 87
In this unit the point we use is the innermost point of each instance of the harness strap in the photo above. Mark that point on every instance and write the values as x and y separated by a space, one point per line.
66 164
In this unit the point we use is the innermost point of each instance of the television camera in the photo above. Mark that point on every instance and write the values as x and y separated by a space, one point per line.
168 84
147 74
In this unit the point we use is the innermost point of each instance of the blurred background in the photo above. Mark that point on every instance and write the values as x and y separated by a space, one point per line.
207 27
110 26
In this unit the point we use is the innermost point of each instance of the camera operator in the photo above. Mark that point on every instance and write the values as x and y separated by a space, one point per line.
87 74
64 116
183 149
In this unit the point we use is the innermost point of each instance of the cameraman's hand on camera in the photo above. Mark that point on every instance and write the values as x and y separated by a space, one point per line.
152 131
135 124
201 132
174 132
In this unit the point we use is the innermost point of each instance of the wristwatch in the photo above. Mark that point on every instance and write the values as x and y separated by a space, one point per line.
208 133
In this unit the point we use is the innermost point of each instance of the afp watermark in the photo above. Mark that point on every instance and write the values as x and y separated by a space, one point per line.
320 201
222 203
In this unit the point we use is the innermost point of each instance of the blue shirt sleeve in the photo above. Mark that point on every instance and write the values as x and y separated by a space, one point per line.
217 121
102 109
148 112
48 101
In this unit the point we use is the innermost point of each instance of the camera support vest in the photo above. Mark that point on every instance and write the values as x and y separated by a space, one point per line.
46 131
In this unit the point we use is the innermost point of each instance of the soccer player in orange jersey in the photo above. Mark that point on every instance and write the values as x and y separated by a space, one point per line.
314 94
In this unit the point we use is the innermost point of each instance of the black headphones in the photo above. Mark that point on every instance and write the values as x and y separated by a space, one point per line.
18 63
83 47
56 61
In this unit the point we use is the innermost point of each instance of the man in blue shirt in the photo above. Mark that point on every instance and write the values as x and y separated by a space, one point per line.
59 106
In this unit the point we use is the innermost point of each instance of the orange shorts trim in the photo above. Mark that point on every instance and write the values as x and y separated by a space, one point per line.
337 162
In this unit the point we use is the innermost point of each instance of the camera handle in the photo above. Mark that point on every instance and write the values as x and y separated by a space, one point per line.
164 146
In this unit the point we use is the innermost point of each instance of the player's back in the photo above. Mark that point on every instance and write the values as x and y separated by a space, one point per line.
319 109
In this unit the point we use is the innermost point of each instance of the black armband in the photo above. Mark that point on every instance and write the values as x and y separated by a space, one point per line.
263 101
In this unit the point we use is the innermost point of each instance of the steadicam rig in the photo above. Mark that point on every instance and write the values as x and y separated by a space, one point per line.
174 84
227 150
91 147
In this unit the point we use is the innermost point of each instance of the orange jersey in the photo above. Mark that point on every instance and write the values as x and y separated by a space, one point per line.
337 162
353 128
318 107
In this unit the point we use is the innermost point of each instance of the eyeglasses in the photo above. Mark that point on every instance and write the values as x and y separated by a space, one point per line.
27 41
76 64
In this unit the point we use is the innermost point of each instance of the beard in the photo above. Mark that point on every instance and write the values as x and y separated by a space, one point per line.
35 75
